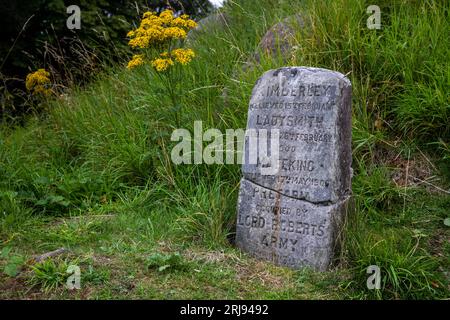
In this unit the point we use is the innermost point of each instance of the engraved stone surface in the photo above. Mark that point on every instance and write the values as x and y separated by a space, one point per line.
293 216
311 108
287 231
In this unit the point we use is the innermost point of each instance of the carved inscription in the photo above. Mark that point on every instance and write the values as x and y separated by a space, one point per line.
292 215
308 115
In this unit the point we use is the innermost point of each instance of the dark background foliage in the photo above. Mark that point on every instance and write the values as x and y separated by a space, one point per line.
33 34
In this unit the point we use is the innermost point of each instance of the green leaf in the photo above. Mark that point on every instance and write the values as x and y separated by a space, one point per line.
41 202
447 222
11 269
5 252
18 260
13 266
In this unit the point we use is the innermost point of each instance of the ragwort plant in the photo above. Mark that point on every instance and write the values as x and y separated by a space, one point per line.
160 38
39 83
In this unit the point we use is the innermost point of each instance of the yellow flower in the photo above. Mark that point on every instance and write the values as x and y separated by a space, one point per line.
161 64
155 34
138 59
151 21
139 42
191 24
174 33
148 14
157 31
183 56
184 22
166 16
39 82
154 29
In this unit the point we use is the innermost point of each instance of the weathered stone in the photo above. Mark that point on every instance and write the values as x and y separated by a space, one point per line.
279 42
311 108
288 231
280 38
293 216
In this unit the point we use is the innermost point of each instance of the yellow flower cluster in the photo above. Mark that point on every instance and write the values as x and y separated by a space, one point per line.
138 59
156 29
162 64
166 60
39 82
184 22
183 56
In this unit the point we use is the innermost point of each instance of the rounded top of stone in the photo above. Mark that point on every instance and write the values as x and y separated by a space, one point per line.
298 70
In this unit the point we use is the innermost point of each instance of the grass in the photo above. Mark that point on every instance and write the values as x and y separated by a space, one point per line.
93 174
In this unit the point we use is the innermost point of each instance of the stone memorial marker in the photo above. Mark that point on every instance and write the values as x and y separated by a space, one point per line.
293 216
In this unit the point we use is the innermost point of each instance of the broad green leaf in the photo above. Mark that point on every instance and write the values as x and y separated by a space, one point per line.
5 252
11 269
